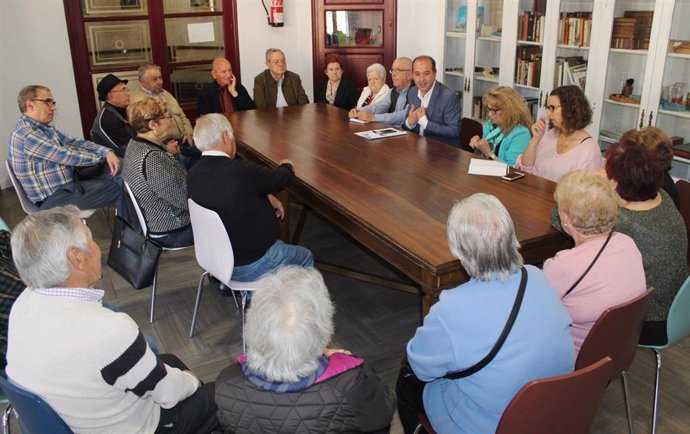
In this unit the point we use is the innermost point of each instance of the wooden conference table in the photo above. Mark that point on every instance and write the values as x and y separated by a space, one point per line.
392 195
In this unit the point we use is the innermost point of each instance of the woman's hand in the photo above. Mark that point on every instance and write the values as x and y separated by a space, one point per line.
539 128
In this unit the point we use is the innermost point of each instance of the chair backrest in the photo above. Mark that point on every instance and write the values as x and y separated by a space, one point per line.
137 208
616 334
468 129
683 187
678 321
28 206
211 242
35 415
564 404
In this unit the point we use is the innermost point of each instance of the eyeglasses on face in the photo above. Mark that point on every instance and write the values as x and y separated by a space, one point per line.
552 108
494 110
49 102
123 90
397 70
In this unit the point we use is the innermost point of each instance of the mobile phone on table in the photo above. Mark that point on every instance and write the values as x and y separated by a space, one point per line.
512 176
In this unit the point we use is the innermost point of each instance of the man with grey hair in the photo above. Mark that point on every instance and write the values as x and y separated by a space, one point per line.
151 82
44 158
276 86
246 204
392 108
462 328
92 365
225 94
289 381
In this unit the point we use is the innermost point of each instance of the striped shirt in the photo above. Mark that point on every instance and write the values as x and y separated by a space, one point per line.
43 157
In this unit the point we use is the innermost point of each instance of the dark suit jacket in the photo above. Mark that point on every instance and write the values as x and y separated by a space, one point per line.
266 90
345 97
443 113
211 101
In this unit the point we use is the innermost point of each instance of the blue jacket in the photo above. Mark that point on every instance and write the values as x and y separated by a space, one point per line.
443 113
463 327
511 146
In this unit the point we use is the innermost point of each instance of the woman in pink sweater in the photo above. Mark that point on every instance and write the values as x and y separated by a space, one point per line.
588 206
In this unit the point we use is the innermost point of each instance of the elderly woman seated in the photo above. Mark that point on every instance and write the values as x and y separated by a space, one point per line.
289 382
591 277
335 90
158 181
377 89
463 327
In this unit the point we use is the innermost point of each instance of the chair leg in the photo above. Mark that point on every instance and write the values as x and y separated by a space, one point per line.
6 419
624 379
656 389
153 295
196 305
244 306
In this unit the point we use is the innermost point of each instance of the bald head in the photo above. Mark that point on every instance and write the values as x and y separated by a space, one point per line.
221 71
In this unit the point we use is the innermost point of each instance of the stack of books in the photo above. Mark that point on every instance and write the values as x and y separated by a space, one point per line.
571 70
528 66
574 28
531 27
633 30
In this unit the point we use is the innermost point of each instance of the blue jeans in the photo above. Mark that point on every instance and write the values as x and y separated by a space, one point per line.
280 254
182 238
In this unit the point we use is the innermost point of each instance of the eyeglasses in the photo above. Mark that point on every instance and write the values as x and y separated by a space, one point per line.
49 102
123 90
397 71
552 108
494 110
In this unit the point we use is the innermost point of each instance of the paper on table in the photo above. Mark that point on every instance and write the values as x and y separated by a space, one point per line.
487 167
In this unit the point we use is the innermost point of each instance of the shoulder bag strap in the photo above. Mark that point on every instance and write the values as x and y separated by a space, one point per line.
501 339
590 266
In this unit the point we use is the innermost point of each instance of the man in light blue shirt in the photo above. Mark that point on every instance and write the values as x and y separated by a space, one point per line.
391 109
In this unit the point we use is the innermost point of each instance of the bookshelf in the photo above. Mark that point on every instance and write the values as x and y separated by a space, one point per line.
587 34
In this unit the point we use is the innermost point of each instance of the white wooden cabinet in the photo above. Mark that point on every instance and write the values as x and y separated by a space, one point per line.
653 69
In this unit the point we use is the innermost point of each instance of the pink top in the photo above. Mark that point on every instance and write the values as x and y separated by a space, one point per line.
616 277
551 165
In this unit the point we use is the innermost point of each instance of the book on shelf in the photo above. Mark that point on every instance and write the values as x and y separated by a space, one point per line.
531 26
633 30
574 28
533 106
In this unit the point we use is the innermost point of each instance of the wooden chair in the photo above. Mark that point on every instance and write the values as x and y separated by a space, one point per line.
565 404
616 334
468 129
677 328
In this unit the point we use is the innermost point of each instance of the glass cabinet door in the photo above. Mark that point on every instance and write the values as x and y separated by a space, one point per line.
487 53
455 56
671 96
529 52
629 68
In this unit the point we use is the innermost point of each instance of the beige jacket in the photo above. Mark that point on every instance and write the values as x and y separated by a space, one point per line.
181 125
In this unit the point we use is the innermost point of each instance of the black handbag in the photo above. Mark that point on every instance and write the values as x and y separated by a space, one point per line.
132 255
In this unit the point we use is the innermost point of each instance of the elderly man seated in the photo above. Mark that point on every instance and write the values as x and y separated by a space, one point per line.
289 382
276 86
90 364
245 203
110 127
44 158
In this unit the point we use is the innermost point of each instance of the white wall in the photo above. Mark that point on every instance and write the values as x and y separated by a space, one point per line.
294 38
35 50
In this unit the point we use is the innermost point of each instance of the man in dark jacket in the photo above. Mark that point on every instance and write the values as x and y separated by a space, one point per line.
276 86
110 128
289 382
224 94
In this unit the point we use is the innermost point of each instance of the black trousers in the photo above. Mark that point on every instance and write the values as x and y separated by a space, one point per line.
410 392
196 414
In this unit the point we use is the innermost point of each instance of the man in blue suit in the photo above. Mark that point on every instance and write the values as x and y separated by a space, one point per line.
434 109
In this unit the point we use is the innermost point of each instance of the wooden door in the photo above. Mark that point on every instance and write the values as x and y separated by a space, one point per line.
361 32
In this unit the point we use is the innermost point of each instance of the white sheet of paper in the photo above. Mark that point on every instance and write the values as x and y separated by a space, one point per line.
200 32
487 167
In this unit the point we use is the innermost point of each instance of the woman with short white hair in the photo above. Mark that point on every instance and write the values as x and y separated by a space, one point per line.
289 370
377 88
445 378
